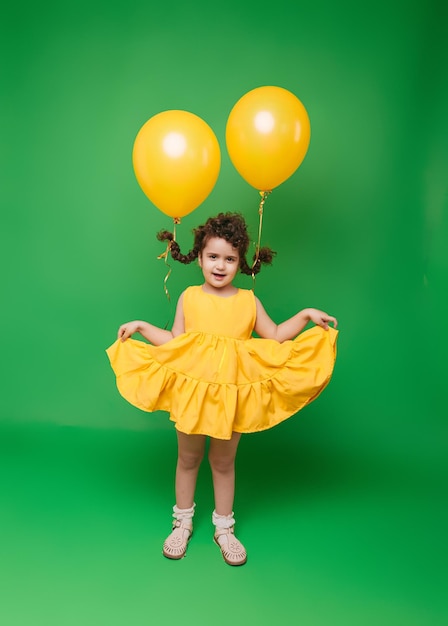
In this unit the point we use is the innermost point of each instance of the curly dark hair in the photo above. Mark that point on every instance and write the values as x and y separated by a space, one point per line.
229 226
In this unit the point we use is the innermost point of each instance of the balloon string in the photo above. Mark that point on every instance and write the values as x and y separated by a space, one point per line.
176 220
264 195
164 255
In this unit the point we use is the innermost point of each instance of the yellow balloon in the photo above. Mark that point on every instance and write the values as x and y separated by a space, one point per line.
267 136
176 160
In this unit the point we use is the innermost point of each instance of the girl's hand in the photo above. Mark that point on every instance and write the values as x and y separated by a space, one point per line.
321 318
128 329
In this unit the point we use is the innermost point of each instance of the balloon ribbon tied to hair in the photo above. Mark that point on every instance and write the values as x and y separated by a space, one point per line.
164 255
264 195
267 137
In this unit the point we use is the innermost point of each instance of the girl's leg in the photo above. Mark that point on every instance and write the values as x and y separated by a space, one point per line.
222 462
190 454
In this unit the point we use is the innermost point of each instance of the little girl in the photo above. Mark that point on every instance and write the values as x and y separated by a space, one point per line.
217 380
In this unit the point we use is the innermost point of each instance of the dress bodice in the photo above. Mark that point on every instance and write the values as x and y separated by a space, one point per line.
233 316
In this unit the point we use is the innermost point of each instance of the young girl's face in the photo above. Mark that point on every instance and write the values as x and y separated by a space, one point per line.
219 262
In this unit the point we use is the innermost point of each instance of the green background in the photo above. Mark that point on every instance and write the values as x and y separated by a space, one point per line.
342 509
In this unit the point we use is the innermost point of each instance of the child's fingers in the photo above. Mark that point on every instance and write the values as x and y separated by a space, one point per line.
333 320
122 333
326 319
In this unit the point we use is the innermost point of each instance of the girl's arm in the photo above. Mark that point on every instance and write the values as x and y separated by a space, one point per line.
155 335
289 329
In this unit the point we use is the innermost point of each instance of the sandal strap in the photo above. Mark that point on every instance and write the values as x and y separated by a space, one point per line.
224 531
184 524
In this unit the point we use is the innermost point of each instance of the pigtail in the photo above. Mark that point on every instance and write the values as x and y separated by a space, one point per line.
165 235
265 257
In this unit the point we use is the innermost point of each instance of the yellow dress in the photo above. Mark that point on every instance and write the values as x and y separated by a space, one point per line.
216 378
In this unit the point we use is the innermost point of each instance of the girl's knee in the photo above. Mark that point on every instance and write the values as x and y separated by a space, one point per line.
190 460
222 464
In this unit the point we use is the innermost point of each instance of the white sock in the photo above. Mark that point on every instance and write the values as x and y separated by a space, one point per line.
183 514
222 521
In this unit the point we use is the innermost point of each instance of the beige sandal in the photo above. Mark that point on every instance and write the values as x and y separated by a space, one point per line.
176 543
232 550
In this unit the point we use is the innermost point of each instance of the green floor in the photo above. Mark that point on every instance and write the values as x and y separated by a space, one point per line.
332 539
